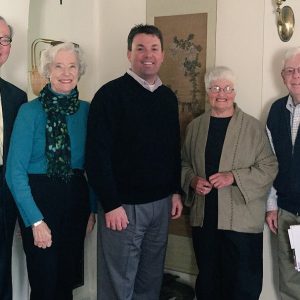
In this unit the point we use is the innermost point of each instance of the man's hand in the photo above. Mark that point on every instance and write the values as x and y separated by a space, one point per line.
176 206
116 219
201 186
42 235
272 220
220 180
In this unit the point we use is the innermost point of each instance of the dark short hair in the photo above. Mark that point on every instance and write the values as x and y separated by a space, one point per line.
143 28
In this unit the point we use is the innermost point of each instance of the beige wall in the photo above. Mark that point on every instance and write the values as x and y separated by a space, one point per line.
246 40
239 45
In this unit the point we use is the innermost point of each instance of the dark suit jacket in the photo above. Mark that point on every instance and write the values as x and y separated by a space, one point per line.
11 99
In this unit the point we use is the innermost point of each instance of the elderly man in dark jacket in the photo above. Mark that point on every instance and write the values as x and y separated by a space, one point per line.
11 99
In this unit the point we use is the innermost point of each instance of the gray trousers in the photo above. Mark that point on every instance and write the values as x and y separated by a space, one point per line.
131 261
289 278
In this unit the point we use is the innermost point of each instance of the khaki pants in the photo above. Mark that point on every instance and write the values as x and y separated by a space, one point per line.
289 278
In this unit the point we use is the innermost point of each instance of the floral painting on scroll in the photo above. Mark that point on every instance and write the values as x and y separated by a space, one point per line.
185 38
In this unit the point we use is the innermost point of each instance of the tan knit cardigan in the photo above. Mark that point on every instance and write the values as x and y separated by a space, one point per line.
248 155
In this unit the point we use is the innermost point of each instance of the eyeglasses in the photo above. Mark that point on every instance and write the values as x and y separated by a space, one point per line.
5 41
290 71
216 89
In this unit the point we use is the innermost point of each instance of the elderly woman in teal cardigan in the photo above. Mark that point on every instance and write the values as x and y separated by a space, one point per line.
227 169
45 173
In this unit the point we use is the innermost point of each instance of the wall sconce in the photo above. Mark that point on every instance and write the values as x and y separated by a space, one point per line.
38 81
285 21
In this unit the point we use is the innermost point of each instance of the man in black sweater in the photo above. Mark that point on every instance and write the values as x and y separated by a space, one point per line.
133 164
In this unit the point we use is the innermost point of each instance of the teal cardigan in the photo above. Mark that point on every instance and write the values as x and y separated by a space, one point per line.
27 153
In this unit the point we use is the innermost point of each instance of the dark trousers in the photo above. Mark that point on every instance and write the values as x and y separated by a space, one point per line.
8 216
53 271
230 264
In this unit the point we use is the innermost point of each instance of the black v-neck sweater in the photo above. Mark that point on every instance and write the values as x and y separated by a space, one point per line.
133 143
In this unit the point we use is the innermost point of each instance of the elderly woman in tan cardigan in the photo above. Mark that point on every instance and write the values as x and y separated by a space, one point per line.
227 170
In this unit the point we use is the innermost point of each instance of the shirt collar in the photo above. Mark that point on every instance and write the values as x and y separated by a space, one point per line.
144 83
290 105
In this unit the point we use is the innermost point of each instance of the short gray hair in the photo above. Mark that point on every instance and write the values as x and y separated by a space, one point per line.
218 73
290 53
11 30
48 56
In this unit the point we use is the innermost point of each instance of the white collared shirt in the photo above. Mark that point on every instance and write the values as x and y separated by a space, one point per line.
295 117
144 83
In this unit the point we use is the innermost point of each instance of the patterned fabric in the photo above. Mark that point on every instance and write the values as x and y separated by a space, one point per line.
58 148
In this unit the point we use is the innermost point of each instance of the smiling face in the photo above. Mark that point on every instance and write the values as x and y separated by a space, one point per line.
292 81
146 56
64 72
4 50
221 103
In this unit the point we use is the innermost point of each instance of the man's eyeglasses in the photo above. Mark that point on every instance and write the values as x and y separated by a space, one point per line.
290 71
5 41
216 89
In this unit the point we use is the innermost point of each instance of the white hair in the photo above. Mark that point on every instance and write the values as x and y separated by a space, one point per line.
290 53
218 73
48 55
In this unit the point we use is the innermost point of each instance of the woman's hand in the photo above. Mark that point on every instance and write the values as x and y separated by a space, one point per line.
220 180
91 223
201 186
42 235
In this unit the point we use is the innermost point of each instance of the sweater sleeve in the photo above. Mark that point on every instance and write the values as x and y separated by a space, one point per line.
178 189
261 173
272 198
101 126
17 165
187 173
